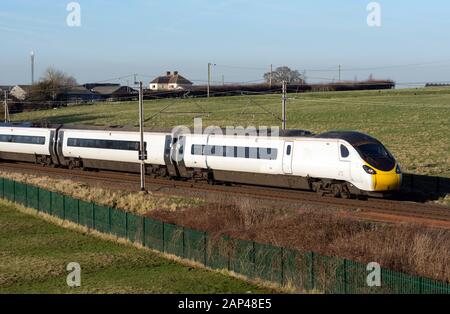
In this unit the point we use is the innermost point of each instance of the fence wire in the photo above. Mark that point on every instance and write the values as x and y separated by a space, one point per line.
287 267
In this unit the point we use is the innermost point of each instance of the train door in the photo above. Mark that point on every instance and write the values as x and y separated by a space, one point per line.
287 157
59 148
52 146
169 157
179 151
345 159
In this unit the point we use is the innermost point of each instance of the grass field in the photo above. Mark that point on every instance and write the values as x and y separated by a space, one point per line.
34 254
413 123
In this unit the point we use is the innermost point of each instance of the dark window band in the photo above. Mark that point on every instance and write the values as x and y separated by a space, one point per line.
235 152
22 139
103 144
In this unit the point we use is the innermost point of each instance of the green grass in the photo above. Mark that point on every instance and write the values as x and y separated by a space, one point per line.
34 254
414 123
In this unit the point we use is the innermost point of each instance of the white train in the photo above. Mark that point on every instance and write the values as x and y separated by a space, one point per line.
337 163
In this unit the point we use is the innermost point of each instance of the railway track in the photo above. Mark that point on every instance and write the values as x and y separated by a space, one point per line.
419 212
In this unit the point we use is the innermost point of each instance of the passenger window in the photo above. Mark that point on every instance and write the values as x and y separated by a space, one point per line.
344 152
289 150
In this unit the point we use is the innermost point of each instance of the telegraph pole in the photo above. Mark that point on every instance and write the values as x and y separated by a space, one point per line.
209 78
7 119
270 76
283 105
142 152
339 72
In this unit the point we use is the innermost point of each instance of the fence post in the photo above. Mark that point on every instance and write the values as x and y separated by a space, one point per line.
26 195
163 240
228 253
78 211
183 242
109 219
311 270
126 225
282 265
143 230
51 202
254 257
38 200
93 217
205 244
345 277
420 285
64 207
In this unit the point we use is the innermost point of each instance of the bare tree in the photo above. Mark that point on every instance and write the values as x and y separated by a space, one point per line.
284 73
53 83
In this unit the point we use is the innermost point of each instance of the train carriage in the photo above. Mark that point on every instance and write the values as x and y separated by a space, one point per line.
27 144
337 163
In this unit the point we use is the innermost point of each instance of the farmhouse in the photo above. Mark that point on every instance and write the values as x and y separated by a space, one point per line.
20 92
115 92
170 81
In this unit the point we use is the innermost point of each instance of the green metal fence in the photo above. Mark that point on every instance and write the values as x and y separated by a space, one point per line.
304 271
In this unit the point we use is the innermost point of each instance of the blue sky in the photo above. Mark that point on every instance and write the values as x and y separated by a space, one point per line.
243 37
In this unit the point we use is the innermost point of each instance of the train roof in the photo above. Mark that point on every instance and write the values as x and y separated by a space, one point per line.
263 132
352 137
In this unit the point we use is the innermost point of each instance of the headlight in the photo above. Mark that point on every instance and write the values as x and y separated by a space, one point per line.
398 170
369 170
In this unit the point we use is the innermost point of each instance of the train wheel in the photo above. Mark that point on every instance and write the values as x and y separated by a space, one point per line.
336 188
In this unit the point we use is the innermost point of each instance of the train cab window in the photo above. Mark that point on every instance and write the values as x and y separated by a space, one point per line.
289 150
344 152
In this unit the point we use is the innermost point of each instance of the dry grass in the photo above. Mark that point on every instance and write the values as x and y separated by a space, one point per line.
408 248
135 202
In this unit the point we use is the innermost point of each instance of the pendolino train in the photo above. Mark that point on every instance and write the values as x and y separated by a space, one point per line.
342 164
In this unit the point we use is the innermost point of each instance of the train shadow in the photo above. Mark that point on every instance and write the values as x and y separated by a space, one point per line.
423 188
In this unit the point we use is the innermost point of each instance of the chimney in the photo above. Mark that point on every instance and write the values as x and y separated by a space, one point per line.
175 73
168 73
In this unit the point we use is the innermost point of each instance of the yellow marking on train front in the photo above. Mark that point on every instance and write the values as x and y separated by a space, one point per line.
386 180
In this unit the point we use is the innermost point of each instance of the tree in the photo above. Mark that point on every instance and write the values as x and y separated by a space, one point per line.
53 83
284 73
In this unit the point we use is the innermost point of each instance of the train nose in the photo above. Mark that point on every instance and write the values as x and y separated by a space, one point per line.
387 181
